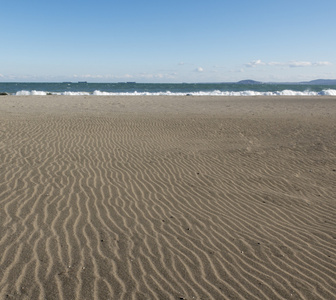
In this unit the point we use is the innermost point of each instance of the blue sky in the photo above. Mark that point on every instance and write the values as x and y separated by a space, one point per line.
167 41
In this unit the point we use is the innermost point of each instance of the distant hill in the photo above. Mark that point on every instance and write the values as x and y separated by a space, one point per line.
248 81
321 82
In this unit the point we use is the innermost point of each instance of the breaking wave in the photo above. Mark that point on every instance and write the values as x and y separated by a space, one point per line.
327 92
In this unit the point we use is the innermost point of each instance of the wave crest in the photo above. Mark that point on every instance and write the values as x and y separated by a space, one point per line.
328 92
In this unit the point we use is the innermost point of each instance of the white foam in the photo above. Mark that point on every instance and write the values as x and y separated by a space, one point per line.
297 93
99 93
33 93
43 93
75 93
329 92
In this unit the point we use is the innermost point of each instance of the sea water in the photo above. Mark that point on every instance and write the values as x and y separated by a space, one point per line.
176 89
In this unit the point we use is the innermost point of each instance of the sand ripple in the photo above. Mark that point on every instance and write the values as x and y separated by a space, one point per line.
149 206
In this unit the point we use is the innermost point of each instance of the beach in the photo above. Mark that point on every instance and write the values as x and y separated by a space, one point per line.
167 197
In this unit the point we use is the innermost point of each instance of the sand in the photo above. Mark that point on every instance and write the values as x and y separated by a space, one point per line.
167 197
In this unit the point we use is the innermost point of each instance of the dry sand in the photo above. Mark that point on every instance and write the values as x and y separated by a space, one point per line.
167 197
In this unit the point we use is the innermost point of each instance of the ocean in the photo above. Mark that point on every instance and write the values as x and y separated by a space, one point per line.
176 89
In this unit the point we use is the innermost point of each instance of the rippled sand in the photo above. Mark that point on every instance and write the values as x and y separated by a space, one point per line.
167 197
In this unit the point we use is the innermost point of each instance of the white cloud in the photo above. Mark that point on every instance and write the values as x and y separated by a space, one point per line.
291 64
92 76
156 76
2 76
99 76
322 63
138 76
275 63
128 76
199 70
299 64
255 63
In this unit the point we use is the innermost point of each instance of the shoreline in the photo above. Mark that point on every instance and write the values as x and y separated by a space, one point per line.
244 88
160 197
169 104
